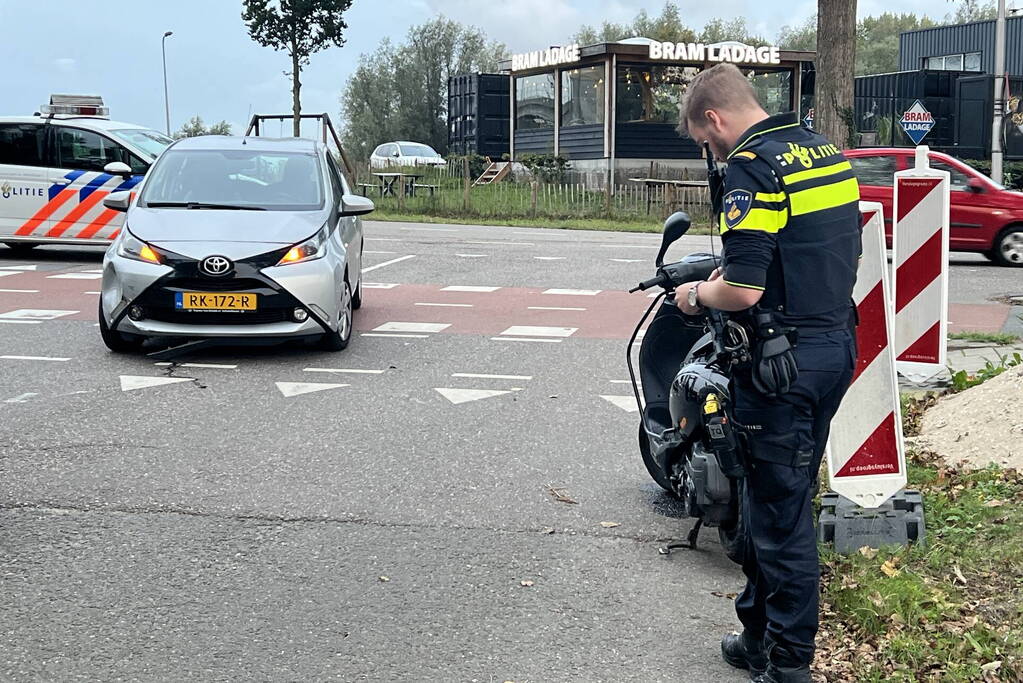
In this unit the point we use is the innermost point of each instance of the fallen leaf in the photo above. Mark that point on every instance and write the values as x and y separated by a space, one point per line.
719 594
525 583
889 569
609 525
959 574
547 530
384 579
994 504
868 552
561 494
991 666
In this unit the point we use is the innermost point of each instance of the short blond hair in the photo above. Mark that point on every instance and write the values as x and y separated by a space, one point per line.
722 86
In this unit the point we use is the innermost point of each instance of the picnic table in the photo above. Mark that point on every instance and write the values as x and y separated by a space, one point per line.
389 180
653 184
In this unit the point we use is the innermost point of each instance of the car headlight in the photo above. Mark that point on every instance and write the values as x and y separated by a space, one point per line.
131 247
313 248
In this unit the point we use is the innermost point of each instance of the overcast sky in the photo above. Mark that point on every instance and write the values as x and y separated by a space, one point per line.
216 71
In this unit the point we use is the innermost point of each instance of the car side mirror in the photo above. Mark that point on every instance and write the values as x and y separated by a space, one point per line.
118 168
675 227
355 205
118 201
976 185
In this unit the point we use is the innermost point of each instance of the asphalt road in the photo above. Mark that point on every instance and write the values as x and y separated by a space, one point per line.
290 514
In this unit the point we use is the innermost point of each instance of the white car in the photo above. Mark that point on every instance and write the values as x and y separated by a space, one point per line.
57 167
403 153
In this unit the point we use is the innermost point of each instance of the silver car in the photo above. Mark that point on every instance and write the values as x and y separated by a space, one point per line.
232 239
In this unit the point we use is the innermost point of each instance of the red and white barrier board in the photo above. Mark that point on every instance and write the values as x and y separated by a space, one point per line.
920 259
866 458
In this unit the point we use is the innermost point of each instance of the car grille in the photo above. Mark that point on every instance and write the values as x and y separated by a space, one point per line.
169 315
197 284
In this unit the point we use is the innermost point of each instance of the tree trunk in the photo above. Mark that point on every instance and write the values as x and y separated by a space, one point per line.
836 59
296 87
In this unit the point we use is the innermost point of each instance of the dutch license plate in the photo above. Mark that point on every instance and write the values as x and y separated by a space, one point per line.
221 301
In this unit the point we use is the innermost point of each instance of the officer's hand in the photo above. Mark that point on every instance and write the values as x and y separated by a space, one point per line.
682 298
715 275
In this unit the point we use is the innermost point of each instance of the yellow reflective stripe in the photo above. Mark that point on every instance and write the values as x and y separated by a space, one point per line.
760 132
821 172
747 155
764 220
769 196
824 197
739 284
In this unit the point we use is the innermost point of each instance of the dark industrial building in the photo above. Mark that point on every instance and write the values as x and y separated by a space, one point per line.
961 47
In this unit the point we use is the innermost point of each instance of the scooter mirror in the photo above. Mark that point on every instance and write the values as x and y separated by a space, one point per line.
675 227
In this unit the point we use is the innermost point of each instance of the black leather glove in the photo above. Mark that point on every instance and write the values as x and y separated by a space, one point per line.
774 365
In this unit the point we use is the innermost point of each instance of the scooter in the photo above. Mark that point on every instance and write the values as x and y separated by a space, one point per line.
686 435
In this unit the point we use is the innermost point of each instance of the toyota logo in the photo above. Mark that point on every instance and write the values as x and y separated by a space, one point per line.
215 265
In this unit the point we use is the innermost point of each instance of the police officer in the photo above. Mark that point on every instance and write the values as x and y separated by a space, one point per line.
790 227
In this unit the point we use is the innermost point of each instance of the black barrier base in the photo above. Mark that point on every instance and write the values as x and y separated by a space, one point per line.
899 521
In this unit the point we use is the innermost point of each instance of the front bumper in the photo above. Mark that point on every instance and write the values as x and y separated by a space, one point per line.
280 290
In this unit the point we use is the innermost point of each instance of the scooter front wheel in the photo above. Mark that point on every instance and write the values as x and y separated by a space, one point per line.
659 475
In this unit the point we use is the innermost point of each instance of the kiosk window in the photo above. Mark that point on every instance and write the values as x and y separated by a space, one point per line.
534 102
582 96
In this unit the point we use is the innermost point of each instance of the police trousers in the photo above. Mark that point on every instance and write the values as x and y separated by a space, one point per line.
787 436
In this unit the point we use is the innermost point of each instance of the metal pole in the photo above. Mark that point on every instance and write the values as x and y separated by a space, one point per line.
166 100
996 124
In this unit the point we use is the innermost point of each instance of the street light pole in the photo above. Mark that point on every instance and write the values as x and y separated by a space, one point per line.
996 124
166 100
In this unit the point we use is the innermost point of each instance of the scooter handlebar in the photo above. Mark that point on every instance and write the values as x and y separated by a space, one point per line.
661 279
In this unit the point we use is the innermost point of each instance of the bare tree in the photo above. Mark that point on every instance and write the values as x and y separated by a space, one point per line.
836 64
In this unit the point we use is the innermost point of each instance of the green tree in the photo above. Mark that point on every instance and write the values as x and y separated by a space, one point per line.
301 28
972 10
195 127
400 92
802 36
720 30
666 26
877 41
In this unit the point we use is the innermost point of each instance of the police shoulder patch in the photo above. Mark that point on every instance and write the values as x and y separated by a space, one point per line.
746 155
736 205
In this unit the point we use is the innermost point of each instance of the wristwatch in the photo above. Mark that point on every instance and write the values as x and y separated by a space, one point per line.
694 295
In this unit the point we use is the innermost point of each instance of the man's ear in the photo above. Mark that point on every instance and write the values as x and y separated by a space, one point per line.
713 120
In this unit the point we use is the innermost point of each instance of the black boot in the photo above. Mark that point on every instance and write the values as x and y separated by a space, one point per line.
784 674
744 652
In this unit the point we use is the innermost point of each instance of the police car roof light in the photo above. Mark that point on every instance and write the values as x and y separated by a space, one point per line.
76 105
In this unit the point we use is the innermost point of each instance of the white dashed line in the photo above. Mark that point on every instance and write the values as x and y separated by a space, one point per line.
21 322
445 305
345 371
628 260
536 331
526 339
626 403
379 285
468 288
368 251
432 229
550 258
5 273
512 244
401 336
471 255
411 327
384 239
471 375
630 246
92 292
58 360
19 267
554 308
22 398
34 314
19 291
75 276
388 263
209 366
573 292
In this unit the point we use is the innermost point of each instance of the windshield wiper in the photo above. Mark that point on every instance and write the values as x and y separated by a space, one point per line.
202 205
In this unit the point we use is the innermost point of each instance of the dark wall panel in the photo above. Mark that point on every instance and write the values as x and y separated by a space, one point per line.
979 36
582 142
540 141
653 141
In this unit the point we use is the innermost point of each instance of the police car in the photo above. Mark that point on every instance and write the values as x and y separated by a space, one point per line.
58 165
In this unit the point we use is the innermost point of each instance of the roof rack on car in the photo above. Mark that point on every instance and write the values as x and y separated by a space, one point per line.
75 105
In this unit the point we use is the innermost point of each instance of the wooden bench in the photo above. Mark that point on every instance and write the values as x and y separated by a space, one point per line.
431 188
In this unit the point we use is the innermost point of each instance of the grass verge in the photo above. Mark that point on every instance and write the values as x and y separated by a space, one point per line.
998 338
614 225
950 611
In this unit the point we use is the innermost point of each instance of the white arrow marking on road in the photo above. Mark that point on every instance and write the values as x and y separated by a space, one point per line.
290 389
626 403
458 396
132 382
388 263
34 314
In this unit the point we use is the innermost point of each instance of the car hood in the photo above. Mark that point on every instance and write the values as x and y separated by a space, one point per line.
254 228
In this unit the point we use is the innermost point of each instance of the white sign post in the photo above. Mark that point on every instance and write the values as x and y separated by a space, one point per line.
866 457
920 261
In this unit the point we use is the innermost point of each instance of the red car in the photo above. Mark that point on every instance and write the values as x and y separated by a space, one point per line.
985 217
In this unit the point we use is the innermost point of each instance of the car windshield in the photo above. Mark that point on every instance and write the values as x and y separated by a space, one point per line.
149 141
275 181
414 150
